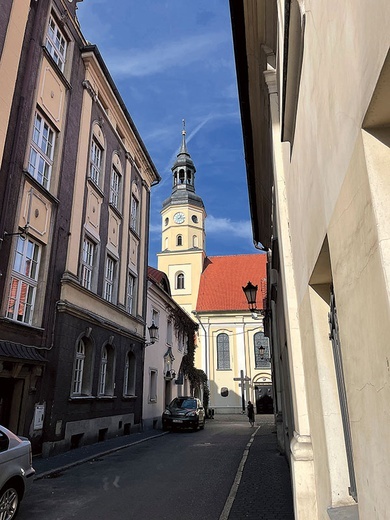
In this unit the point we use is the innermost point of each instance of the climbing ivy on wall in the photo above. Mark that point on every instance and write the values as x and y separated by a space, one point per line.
185 326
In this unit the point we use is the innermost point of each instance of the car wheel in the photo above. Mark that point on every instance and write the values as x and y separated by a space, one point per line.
9 502
203 423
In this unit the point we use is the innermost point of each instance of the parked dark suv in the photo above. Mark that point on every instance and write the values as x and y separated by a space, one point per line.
184 412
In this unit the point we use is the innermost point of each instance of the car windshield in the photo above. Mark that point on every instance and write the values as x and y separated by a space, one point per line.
183 403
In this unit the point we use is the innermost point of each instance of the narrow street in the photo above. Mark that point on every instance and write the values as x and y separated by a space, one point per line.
180 475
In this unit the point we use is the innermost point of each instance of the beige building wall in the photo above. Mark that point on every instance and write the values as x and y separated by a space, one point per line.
327 89
9 63
335 170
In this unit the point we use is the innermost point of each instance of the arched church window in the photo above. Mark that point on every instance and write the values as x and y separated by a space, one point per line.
181 176
195 241
179 240
189 178
180 281
223 352
261 359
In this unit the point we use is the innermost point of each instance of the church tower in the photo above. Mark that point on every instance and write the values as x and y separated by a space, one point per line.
183 233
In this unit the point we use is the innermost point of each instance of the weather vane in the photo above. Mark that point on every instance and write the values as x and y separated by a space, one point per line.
184 127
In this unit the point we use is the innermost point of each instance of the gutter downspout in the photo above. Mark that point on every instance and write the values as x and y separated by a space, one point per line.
205 342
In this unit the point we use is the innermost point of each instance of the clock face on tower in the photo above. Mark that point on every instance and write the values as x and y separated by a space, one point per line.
179 217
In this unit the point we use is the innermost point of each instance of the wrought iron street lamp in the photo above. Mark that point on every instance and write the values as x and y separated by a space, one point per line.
250 292
153 334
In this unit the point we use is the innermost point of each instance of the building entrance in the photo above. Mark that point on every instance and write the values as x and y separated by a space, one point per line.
264 398
7 386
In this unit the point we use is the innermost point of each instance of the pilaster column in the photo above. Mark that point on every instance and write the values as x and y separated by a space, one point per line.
302 464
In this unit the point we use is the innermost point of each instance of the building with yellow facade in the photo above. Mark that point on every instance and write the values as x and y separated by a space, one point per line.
210 290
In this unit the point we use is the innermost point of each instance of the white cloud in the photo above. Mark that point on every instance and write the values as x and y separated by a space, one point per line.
165 56
239 228
155 229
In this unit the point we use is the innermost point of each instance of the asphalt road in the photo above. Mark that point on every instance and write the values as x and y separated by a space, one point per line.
179 476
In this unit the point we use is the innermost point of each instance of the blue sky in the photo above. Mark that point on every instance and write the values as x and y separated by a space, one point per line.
173 60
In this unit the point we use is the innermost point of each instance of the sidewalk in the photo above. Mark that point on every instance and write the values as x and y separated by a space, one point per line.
57 463
264 492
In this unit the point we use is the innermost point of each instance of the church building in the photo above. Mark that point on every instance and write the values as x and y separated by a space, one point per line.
232 349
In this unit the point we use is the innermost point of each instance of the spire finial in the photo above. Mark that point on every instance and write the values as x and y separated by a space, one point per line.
183 148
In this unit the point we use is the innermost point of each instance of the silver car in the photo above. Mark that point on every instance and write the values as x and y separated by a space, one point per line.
16 472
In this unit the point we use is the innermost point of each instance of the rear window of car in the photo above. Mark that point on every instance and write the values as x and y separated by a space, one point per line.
4 442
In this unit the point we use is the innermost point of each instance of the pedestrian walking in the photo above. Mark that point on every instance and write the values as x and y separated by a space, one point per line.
251 413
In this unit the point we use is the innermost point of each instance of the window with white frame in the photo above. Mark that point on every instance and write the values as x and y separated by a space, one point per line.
153 386
95 162
106 377
155 317
181 339
78 368
179 240
115 188
103 371
223 352
87 263
109 279
40 161
134 214
131 294
56 43
130 374
24 281
82 368
169 332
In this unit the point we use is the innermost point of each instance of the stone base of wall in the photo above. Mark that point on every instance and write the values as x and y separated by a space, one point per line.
90 431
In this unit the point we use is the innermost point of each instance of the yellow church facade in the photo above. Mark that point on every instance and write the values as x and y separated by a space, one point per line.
232 349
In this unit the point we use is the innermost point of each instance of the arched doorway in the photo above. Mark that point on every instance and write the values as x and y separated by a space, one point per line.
264 395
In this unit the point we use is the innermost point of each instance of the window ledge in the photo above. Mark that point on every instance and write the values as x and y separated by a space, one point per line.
106 397
116 210
57 68
135 232
21 324
344 513
129 397
82 397
95 186
41 187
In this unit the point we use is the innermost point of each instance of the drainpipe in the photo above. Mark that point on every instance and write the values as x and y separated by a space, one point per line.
205 341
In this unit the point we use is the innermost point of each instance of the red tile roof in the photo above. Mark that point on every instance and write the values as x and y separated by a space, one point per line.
224 277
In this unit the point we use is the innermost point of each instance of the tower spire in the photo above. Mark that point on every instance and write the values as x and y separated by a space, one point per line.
183 148
183 170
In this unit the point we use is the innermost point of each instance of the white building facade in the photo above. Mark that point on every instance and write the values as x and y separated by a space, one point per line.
163 371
